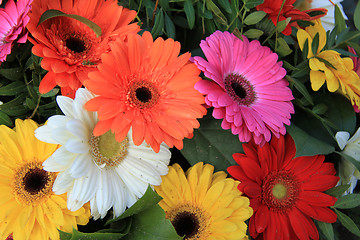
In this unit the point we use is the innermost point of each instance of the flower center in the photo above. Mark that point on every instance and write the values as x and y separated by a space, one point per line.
32 183
75 44
143 94
280 191
106 151
240 89
188 221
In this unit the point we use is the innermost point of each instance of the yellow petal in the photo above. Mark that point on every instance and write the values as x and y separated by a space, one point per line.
317 79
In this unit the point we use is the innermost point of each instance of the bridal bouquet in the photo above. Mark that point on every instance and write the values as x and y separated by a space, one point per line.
179 119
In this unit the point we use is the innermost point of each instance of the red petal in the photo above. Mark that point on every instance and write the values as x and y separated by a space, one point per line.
320 183
47 83
300 224
317 198
252 189
322 214
262 216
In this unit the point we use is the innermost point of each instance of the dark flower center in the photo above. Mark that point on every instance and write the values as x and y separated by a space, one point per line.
76 45
186 224
35 180
143 94
240 89
280 190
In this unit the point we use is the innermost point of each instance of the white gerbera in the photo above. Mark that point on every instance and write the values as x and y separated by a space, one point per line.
98 169
348 173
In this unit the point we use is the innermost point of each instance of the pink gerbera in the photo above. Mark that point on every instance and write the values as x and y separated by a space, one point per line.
248 90
13 19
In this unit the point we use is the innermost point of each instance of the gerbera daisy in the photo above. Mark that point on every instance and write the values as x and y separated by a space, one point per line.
337 72
144 85
248 90
98 168
13 19
285 192
202 204
69 48
29 209
279 10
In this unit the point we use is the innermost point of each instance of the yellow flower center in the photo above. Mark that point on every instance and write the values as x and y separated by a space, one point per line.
279 191
189 221
33 184
106 151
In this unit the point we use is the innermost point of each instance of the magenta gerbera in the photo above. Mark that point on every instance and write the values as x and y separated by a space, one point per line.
13 20
248 90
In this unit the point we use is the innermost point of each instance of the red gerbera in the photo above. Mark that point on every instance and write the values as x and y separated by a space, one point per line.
285 192
69 48
272 8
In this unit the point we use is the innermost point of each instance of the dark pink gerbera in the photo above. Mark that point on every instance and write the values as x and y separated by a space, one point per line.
248 90
13 20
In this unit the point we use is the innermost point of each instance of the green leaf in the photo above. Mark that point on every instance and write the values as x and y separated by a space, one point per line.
190 13
252 3
12 73
30 103
305 50
338 190
280 26
13 88
339 20
347 222
326 229
253 33
149 199
151 224
212 144
315 44
348 201
357 16
345 53
283 48
76 235
52 93
306 145
5 119
159 24
51 13
301 88
218 15
226 5
254 17
320 109
169 27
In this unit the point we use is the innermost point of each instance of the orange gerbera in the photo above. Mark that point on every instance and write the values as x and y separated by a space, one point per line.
69 48
145 85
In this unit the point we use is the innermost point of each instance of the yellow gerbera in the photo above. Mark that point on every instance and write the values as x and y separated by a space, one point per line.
328 66
28 207
203 204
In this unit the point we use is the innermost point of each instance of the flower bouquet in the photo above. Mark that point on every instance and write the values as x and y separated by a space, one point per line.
180 119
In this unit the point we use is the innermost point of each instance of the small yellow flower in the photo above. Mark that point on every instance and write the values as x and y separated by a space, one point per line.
327 65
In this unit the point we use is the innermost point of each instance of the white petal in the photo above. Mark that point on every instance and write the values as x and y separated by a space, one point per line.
355 137
63 156
63 183
78 128
58 121
84 189
134 184
104 200
51 165
342 138
77 146
81 165
118 194
141 170
43 133
61 135
65 104
89 118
